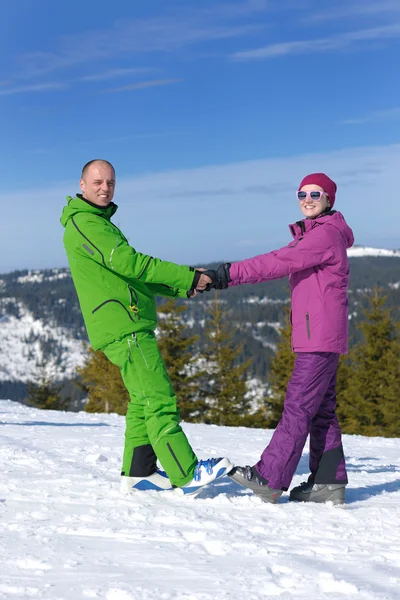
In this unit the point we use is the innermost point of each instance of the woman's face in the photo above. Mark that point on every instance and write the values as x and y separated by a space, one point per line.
312 208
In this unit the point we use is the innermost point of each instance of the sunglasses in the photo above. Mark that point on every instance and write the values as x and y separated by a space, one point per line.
317 195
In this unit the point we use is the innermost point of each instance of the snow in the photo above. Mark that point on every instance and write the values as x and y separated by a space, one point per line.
256 392
264 300
24 336
40 276
359 251
68 533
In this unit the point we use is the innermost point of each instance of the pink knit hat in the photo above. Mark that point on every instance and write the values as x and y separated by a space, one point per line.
323 181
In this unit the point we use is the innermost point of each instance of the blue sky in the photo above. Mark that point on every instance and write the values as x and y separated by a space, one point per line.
211 112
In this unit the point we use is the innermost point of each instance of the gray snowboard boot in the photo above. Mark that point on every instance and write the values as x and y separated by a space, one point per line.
248 477
319 492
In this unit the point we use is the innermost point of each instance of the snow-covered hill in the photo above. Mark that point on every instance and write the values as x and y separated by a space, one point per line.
23 341
360 251
68 534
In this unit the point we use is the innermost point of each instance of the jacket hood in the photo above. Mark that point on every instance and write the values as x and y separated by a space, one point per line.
78 205
333 218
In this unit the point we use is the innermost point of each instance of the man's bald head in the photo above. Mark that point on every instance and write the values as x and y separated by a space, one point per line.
86 167
98 182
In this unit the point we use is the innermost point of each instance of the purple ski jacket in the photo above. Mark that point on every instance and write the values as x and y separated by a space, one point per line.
318 269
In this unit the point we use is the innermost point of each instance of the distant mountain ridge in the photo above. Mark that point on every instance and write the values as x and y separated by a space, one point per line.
360 251
40 318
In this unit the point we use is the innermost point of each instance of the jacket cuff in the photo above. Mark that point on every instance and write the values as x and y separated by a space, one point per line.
234 275
197 275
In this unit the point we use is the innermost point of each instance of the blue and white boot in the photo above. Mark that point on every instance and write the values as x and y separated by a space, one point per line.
157 481
206 472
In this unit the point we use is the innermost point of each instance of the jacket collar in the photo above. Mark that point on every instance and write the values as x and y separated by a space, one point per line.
101 208
299 228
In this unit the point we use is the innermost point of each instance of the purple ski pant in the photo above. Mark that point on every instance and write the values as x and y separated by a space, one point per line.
309 408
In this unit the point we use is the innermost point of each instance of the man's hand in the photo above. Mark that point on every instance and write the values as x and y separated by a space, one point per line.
204 281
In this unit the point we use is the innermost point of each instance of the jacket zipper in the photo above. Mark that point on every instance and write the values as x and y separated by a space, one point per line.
120 232
308 326
133 302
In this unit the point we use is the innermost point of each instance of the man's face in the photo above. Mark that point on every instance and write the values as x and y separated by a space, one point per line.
98 184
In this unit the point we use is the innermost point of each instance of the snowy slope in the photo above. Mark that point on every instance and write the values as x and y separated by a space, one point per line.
67 533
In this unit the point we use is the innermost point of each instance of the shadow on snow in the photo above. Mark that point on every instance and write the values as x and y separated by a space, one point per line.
361 494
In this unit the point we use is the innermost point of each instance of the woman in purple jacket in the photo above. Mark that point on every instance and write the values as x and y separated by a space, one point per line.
318 269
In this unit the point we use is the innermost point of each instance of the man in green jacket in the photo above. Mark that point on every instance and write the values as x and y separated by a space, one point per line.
116 287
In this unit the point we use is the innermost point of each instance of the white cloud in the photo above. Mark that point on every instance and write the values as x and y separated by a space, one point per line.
113 74
141 85
172 31
364 8
334 42
54 86
376 116
40 87
158 134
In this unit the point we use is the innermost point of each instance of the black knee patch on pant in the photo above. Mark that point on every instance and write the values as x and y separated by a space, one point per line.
144 461
328 465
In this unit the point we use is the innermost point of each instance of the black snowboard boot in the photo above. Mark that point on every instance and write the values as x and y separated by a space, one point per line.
248 477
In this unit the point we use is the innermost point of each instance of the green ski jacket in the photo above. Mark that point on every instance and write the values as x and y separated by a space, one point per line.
115 284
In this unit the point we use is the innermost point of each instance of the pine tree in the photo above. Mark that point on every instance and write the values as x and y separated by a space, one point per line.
344 375
228 404
103 382
44 393
176 348
279 375
370 402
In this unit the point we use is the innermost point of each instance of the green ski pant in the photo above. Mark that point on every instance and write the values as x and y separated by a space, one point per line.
152 419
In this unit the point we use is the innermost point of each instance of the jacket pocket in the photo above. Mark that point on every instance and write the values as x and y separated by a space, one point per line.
117 302
308 326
